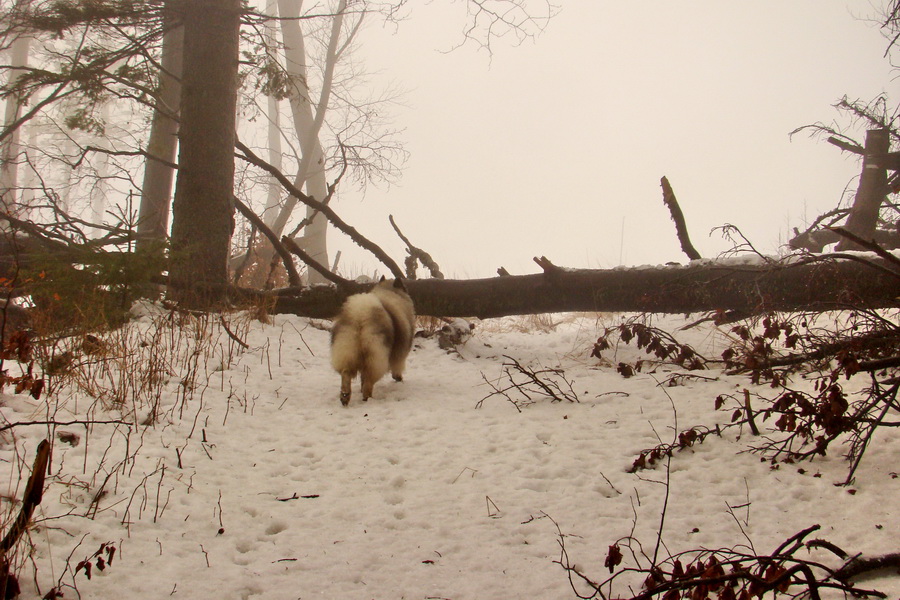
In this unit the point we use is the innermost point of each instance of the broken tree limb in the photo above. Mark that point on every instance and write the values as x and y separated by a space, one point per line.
861 565
312 263
416 254
815 241
815 283
293 276
34 492
846 146
549 268
248 155
871 246
678 217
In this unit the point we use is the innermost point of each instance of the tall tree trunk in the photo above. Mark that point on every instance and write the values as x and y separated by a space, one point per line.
203 210
10 150
308 124
274 191
156 189
99 193
871 192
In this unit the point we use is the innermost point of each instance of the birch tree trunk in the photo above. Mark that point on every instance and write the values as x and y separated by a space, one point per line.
308 124
274 191
99 193
156 189
203 210
10 150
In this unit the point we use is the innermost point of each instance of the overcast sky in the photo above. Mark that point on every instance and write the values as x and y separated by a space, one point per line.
556 147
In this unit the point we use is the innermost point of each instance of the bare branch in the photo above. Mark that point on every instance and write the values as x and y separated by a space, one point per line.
291 245
293 276
340 224
416 254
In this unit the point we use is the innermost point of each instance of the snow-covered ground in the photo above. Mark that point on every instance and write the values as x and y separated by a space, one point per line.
254 482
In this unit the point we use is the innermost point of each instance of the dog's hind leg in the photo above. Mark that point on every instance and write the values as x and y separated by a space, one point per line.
368 382
398 365
346 378
397 368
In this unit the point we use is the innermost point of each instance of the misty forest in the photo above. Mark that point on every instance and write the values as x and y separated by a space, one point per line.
171 176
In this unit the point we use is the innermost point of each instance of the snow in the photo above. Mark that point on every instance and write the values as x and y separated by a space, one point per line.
254 482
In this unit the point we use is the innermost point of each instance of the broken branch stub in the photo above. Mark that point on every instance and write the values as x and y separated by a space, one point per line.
671 203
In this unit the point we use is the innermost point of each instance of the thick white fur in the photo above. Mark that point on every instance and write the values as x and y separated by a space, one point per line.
372 335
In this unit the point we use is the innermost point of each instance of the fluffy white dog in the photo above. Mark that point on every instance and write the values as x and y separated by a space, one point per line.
373 335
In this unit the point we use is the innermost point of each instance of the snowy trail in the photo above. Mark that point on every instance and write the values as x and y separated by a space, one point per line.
419 494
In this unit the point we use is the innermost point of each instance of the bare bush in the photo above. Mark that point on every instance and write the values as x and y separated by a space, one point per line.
827 349
104 391
523 386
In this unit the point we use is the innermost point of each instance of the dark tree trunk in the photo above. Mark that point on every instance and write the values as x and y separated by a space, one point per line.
748 289
203 210
871 192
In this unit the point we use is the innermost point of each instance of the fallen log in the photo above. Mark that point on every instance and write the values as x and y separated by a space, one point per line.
747 286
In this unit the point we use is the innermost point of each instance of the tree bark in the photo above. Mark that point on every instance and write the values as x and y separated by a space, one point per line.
203 211
821 284
156 189
870 193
